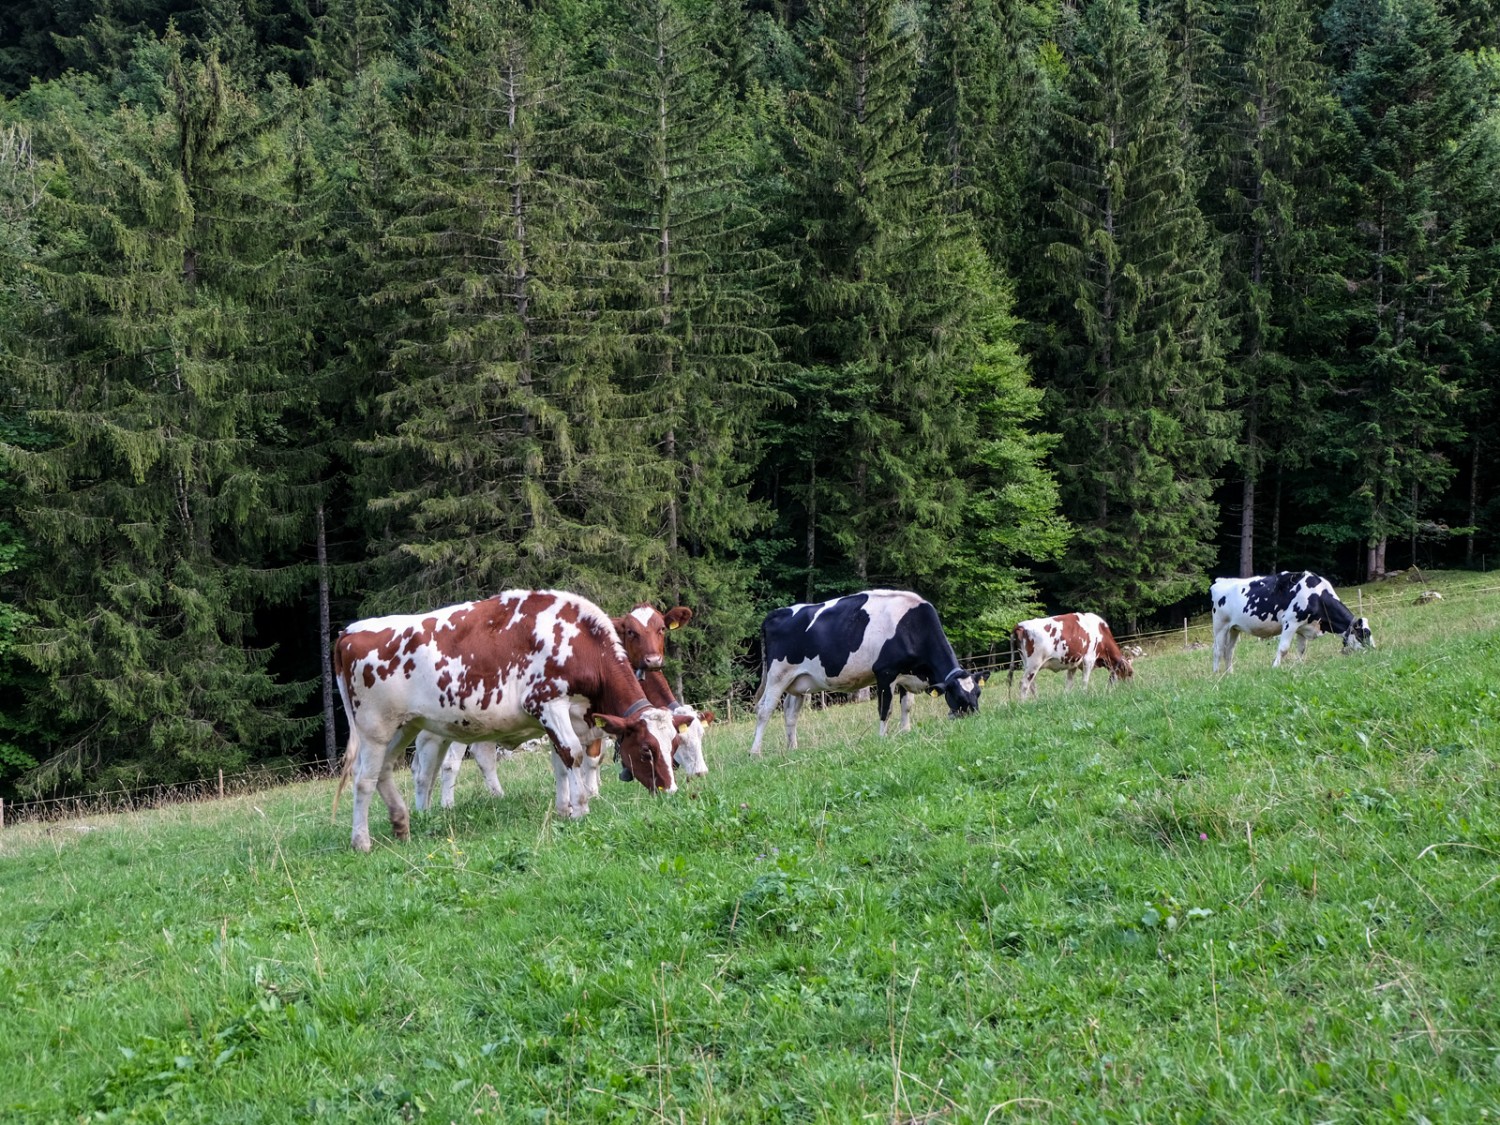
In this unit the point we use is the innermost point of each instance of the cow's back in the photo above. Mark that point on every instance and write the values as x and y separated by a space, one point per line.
473 670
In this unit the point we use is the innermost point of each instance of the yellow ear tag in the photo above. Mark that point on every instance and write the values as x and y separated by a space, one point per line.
674 625
934 693
598 720
983 680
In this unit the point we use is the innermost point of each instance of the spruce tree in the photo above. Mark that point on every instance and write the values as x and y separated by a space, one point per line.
983 79
694 306
1270 116
1421 160
154 359
1128 285
505 453
880 423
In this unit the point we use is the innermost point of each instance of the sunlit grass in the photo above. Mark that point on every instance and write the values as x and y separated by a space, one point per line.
1267 896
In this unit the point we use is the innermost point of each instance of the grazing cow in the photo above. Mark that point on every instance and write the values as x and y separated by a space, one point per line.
521 663
643 632
889 638
1291 603
1069 641
431 746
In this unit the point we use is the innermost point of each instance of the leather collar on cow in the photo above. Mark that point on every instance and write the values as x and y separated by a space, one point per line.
639 705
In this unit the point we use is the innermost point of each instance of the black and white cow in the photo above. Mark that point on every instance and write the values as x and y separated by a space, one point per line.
1291 603
889 638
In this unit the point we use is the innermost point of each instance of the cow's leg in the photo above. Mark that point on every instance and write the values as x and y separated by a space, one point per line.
1071 672
591 766
764 708
1088 670
1028 682
452 760
424 766
790 705
567 758
1283 645
1301 645
905 709
883 703
374 771
485 754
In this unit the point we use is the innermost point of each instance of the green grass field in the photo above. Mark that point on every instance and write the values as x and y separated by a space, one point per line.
1268 897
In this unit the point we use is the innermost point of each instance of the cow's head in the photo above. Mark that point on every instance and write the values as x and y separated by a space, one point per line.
643 632
646 745
687 754
1120 669
1358 635
961 690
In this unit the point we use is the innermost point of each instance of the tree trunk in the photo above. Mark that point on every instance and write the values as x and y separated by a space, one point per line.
1473 507
330 740
812 527
1247 497
1276 527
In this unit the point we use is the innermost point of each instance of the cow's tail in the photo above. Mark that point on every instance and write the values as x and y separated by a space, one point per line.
351 751
765 667
1010 674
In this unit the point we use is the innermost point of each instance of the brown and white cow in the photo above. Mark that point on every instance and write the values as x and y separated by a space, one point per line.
643 632
1069 641
522 663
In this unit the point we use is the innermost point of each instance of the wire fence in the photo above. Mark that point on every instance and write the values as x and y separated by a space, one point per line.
131 799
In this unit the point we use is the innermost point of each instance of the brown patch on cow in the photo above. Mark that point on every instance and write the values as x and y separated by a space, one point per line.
1112 657
409 667
1075 641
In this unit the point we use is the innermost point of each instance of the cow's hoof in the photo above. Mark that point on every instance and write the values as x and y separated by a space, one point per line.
361 844
402 828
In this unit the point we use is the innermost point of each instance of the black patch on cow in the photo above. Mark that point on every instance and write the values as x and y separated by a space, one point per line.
792 634
920 648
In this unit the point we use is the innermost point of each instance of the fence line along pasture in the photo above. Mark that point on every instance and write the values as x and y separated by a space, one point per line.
129 799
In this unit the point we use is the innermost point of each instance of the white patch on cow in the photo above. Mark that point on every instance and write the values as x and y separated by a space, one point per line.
643 614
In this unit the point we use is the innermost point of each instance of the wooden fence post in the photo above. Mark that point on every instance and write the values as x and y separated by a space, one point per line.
221 784
1184 633
2 813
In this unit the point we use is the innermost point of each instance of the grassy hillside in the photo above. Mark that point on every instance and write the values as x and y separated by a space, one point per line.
1274 896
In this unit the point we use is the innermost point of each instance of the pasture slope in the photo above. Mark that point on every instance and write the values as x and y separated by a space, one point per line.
1271 897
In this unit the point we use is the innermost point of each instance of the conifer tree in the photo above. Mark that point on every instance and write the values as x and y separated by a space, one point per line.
900 354
1270 116
155 362
983 80
506 455
1414 283
694 306
1128 283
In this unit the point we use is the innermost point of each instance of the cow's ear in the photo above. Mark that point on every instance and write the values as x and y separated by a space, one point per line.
678 617
706 717
682 722
611 723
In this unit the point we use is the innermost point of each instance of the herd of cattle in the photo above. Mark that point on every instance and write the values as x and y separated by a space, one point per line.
527 663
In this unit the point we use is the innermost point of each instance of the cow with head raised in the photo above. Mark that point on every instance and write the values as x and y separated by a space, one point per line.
522 663
643 632
892 639
1292 603
1071 642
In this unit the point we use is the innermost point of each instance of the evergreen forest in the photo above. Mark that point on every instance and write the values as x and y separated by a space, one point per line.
317 309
